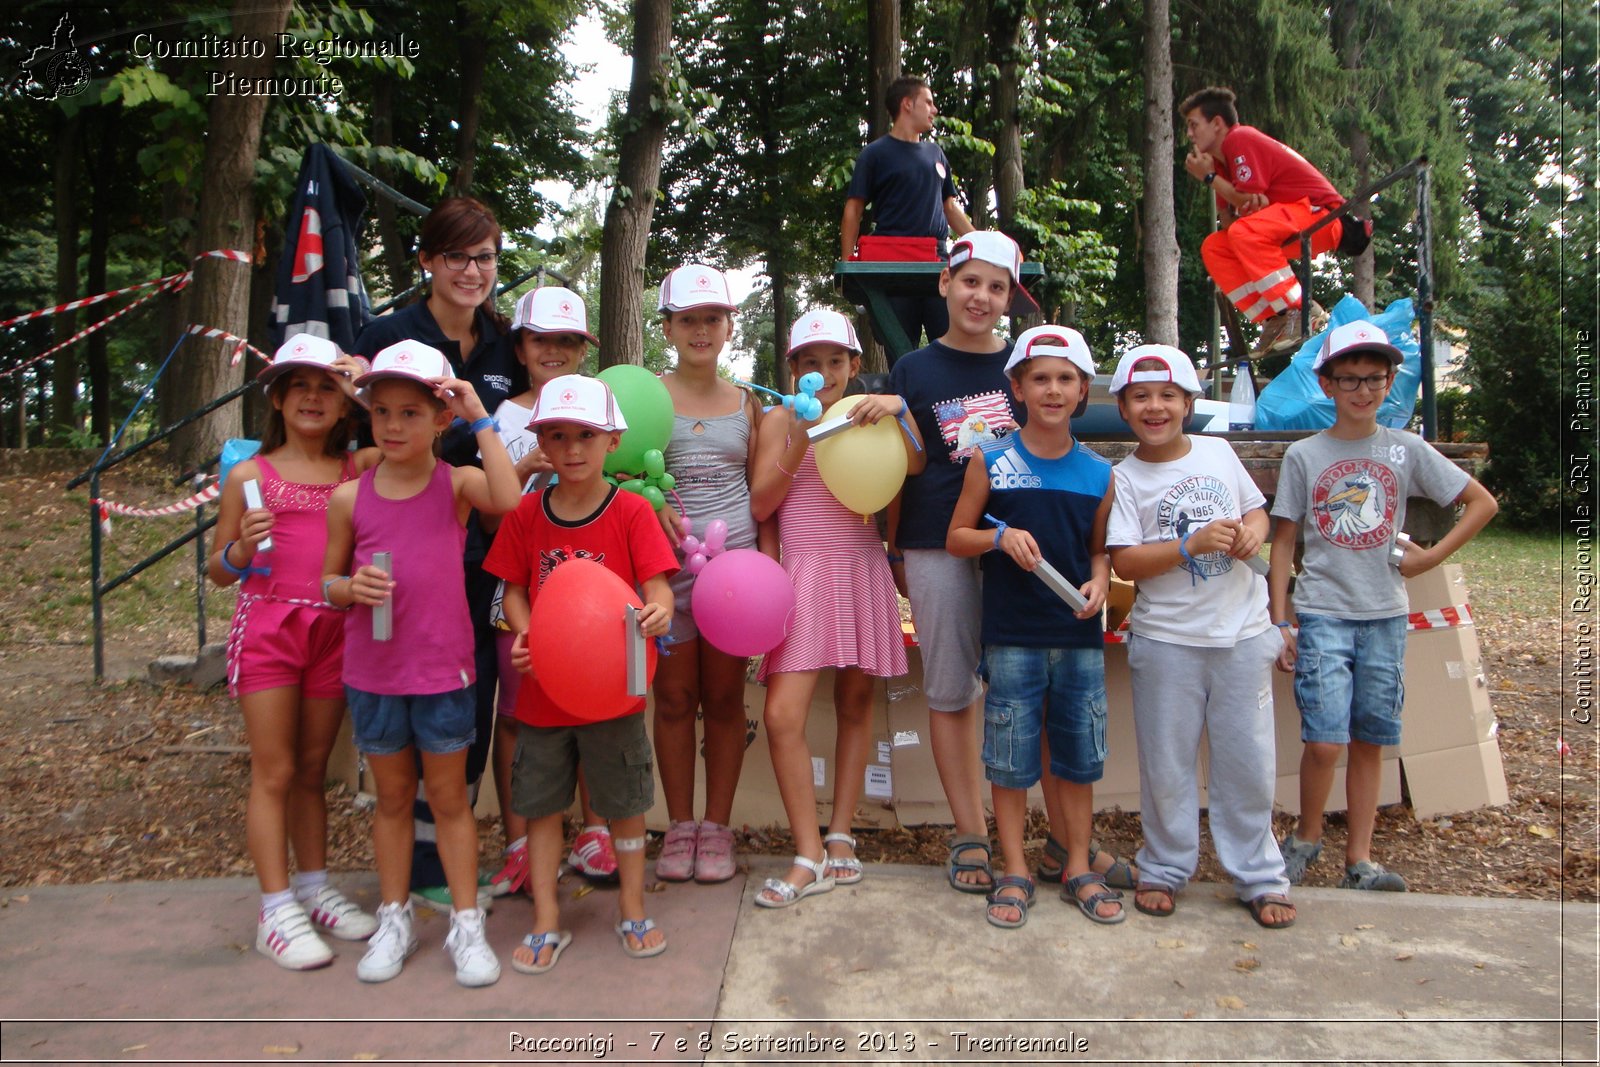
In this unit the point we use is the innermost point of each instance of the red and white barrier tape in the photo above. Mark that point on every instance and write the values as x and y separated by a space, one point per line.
109 508
172 287
82 302
240 345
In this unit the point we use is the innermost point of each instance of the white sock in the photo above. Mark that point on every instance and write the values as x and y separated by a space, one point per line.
306 883
271 902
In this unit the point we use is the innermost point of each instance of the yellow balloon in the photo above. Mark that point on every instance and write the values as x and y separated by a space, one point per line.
864 466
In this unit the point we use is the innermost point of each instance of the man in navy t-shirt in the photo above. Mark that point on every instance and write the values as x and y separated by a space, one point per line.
908 183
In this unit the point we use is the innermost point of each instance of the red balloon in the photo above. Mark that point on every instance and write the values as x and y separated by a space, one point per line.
578 641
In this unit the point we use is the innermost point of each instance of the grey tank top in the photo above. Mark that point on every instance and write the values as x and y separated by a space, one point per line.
710 470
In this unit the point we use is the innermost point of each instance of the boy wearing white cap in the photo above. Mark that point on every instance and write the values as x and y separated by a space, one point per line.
581 516
957 391
1038 497
1345 490
1201 648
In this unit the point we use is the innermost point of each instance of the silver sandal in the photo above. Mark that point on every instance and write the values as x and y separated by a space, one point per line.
849 864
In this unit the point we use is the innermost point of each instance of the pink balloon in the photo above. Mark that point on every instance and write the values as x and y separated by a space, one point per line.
690 546
695 562
716 536
742 602
688 526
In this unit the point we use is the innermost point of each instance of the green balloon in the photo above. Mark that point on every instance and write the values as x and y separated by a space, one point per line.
667 483
633 485
655 464
647 407
652 494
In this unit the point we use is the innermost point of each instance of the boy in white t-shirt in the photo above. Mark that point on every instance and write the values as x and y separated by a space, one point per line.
1184 518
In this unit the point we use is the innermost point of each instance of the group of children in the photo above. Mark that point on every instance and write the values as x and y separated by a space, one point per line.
1007 530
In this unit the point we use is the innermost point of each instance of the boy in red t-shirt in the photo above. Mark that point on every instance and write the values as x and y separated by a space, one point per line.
580 516
1269 193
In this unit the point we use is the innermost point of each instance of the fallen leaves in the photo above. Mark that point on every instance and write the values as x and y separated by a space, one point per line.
1248 964
1230 1002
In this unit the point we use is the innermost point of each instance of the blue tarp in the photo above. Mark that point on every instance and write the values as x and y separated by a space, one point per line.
1294 399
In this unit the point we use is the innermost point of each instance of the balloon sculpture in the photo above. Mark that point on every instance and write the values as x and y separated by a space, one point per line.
653 483
697 553
804 404
580 645
638 464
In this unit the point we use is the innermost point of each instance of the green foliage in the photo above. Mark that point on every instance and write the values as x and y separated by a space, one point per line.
1077 261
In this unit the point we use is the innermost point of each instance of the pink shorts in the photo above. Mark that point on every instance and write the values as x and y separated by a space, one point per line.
287 645
505 701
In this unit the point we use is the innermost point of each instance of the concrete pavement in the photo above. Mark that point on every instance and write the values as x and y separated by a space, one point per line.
896 969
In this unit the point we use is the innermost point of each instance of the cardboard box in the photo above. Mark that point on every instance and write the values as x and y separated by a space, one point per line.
1286 792
344 762
1447 692
757 801
1455 779
1119 601
1443 587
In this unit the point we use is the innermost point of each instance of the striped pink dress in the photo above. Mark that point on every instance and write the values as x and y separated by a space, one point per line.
846 613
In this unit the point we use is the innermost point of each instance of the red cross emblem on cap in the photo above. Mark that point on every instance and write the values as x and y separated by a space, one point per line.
703 282
566 307
568 396
402 357
300 348
816 325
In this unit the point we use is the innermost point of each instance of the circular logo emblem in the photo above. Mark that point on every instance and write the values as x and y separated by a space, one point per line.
1353 502
402 357
1194 502
939 169
568 396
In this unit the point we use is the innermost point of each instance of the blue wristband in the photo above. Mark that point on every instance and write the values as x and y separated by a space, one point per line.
244 572
1183 546
1284 625
1000 527
479 425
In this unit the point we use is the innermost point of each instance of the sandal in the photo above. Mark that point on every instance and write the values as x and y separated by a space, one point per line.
1090 906
555 940
960 844
638 928
1022 903
1120 875
789 894
848 864
1258 907
1153 887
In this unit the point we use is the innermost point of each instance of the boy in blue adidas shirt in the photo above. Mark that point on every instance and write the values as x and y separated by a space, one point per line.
1039 495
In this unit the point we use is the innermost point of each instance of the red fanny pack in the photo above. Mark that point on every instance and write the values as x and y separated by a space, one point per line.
899 249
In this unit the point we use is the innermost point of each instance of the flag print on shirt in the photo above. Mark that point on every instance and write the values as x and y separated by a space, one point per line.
968 421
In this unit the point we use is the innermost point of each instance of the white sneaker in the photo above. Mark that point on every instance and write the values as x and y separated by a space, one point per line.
334 913
476 964
389 947
285 937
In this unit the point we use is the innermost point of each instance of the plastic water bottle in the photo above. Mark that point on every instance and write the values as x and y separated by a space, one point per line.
1242 400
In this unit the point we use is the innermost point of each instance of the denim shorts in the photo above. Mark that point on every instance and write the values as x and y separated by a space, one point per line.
1064 689
436 723
1349 679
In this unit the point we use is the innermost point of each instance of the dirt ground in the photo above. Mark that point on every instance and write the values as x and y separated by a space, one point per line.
127 780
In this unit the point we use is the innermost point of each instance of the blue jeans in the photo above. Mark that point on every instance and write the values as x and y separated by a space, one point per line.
1349 679
1063 689
436 723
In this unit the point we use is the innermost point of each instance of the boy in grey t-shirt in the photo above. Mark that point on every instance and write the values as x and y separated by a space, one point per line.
1346 488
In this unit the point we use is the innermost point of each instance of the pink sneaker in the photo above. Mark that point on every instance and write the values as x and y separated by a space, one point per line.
514 875
713 861
592 855
676 862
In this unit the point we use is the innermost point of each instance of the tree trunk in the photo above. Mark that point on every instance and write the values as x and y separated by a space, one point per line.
1160 214
105 184
474 53
1005 37
221 296
397 265
65 387
633 199
1343 23
883 61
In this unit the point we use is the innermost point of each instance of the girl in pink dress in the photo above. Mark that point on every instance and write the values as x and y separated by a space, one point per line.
286 646
846 614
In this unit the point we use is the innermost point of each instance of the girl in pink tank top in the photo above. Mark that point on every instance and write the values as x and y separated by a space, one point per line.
410 690
284 648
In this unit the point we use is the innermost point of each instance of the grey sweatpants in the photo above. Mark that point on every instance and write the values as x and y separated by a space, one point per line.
1179 690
